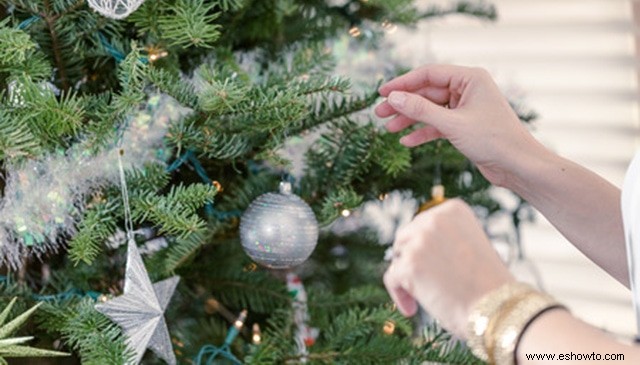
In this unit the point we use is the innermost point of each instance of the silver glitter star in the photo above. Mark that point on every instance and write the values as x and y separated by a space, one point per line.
140 310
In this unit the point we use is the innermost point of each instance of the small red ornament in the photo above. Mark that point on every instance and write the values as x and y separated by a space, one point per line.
309 341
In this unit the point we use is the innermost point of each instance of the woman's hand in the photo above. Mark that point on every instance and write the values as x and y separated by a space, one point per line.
443 261
465 106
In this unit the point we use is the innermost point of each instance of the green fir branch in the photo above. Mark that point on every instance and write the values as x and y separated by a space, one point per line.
390 155
98 224
277 344
204 141
246 190
96 339
181 250
55 120
171 84
264 110
337 201
19 54
229 5
16 138
146 17
356 336
189 23
317 84
223 96
132 75
366 295
440 346
100 220
341 155
170 218
151 178
394 11
355 325
192 197
300 61
15 45
174 214
325 306
331 108
102 121
256 290
311 59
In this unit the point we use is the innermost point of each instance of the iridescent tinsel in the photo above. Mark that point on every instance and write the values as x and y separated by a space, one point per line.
44 198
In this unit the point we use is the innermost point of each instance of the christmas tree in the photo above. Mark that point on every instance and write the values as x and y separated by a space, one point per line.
135 135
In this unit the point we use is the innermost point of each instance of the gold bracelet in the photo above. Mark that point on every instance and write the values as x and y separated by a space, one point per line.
512 322
505 309
483 313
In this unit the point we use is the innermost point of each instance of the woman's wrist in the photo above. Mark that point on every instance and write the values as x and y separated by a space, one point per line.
498 320
524 171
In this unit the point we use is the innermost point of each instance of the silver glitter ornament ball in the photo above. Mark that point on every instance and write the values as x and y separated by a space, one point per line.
279 230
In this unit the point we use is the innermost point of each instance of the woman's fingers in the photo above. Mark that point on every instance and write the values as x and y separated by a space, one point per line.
411 108
419 108
393 278
421 136
428 75
399 123
438 95
384 110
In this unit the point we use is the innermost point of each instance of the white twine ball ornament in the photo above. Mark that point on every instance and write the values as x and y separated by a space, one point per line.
115 9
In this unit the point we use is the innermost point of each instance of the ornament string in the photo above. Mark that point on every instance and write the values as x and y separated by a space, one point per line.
125 198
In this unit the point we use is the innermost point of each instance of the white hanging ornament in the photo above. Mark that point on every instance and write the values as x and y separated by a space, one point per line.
388 213
140 310
115 9
279 230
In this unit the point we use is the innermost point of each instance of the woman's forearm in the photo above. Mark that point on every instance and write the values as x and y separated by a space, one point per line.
579 203
558 337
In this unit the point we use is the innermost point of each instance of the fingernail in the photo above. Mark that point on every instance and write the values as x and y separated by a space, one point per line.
397 99
404 140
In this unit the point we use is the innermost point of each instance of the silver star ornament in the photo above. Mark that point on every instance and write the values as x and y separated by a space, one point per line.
140 310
